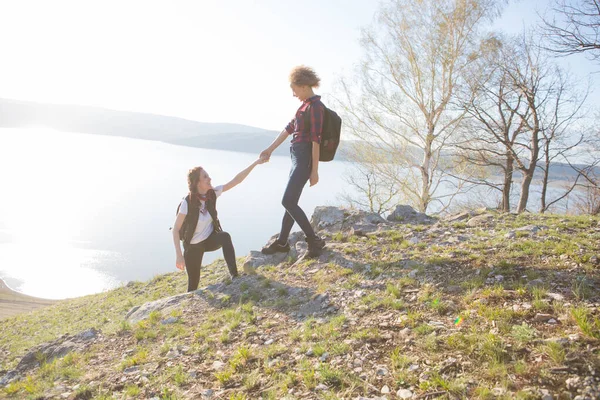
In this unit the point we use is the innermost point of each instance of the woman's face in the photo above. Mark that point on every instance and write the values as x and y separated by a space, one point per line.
300 92
204 182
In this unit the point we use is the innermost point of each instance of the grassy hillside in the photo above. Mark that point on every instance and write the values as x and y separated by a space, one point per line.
502 306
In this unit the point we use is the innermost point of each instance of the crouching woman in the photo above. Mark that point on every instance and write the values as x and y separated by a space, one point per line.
197 224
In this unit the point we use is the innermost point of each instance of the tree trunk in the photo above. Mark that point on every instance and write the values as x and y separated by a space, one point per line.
525 184
508 178
426 171
545 178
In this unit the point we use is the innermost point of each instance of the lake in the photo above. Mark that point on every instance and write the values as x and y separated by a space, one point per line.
82 213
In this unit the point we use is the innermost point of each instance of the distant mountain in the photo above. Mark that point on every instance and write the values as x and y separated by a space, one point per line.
101 121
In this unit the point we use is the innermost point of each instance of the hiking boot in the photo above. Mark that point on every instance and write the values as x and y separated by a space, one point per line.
276 247
315 247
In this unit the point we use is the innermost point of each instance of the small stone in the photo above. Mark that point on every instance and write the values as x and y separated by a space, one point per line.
413 368
218 365
499 278
321 387
129 370
385 390
404 394
66 395
324 356
539 317
268 342
172 354
168 321
556 296
552 321
208 393
310 352
510 235
382 372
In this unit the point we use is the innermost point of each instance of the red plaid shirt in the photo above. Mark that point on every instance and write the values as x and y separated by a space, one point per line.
296 126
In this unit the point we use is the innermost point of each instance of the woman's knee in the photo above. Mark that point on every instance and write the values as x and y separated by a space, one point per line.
225 236
288 201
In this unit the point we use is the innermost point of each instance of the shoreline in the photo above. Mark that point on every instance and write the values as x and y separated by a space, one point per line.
13 303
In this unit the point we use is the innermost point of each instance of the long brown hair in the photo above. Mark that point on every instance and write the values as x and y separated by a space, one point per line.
193 179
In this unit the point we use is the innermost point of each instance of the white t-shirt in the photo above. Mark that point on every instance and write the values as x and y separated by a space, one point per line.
205 224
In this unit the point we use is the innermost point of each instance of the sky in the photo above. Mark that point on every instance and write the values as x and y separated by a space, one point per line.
209 60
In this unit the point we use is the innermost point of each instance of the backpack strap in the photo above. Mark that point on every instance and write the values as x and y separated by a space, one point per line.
211 206
307 119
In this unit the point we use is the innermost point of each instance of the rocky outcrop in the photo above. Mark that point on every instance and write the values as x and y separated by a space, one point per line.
47 352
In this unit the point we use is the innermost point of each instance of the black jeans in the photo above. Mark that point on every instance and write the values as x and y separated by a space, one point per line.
194 252
301 154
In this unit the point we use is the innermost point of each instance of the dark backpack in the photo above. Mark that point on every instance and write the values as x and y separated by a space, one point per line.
330 136
188 227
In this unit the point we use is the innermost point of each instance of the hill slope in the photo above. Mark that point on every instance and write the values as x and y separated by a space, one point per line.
480 305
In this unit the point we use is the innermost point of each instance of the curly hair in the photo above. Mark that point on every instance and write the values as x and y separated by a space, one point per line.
304 76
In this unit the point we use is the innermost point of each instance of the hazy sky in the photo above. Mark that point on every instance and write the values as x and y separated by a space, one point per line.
206 60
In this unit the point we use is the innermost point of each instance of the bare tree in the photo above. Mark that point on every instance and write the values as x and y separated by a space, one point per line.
559 143
496 111
577 30
373 179
416 58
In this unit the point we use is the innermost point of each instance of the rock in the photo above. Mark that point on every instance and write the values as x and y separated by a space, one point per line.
480 220
268 342
556 296
531 229
324 356
510 235
56 349
594 260
535 282
413 273
170 320
404 394
130 370
385 390
552 321
382 372
172 354
320 387
9 377
335 219
546 395
141 313
405 213
208 393
217 365
542 317
458 217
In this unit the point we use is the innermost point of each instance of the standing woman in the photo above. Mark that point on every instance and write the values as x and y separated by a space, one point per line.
197 215
305 128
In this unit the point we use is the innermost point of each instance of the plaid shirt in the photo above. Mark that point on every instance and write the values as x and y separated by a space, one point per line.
296 126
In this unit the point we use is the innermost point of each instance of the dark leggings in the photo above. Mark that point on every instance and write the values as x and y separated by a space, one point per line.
194 252
301 167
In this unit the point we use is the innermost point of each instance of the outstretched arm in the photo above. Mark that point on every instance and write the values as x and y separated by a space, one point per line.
278 140
242 175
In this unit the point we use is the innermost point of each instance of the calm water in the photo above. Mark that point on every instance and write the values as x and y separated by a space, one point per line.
80 213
